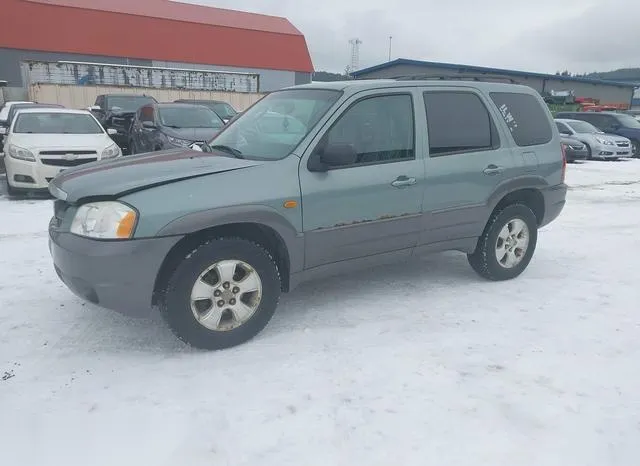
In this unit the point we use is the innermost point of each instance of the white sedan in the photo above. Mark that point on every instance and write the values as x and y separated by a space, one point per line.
41 142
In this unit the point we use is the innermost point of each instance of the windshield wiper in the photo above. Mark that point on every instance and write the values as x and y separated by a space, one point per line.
174 126
230 150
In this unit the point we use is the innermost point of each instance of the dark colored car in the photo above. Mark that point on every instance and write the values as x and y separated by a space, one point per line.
611 122
573 148
170 125
117 111
224 110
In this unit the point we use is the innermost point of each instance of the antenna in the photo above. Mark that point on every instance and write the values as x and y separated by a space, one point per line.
355 54
390 38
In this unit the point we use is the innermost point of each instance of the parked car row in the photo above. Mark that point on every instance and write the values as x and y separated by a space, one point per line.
582 140
608 123
122 112
41 140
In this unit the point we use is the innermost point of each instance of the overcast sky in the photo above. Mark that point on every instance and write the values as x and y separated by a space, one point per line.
532 35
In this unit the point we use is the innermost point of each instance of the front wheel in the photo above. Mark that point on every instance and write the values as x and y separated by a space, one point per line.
222 294
589 154
507 244
635 149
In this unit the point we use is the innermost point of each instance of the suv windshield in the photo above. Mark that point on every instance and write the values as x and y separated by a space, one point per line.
275 125
56 123
127 103
583 127
189 117
628 121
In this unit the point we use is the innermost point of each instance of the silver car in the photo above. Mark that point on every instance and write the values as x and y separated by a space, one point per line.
599 145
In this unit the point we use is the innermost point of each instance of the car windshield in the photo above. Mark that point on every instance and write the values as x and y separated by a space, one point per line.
56 123
224 110
583 127
189 117
273 127
127 103
628 121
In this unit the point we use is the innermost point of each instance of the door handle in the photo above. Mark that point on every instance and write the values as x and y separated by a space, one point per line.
493 170
403 181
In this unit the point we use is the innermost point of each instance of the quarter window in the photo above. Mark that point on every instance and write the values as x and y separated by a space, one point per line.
381 129
525 118
458 122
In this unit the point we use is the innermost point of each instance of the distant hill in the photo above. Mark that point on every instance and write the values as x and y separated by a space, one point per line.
624 74
325 76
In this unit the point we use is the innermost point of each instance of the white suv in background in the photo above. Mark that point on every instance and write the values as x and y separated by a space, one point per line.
42 142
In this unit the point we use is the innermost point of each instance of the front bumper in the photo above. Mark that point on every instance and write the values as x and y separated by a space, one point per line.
574 154
554 201
605 151
29 175
117 275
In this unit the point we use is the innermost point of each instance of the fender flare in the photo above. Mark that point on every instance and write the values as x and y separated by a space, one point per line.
255 214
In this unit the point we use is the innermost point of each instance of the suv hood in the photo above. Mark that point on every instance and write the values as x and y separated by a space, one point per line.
113 178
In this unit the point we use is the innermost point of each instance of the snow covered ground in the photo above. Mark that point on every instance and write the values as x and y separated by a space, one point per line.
417 364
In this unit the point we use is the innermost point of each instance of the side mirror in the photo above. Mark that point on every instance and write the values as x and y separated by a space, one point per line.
148 124
112 131
3 130
94 108
566 133
332 155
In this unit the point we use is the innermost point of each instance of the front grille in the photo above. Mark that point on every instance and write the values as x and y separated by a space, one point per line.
622 144
576 147
67 163
65 152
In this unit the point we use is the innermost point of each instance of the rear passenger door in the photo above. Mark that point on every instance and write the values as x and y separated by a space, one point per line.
467 159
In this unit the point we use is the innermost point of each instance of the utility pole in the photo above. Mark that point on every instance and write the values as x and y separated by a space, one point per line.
390 37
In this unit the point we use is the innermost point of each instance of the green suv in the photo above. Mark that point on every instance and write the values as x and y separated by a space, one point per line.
311 180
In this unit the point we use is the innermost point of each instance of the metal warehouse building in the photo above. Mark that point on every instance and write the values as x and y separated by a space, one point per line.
152 33
609 92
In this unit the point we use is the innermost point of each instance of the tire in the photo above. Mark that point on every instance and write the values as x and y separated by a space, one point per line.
589 155
484 260
635 149
11 191
179 310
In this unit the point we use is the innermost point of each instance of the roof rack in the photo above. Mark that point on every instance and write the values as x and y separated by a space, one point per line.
453 77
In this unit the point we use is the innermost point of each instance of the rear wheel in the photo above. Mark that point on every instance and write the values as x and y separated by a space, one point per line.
222 294
507 244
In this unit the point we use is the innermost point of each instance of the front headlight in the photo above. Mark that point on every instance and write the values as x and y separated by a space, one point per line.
604 141
20 153
110 152
104 220
179 142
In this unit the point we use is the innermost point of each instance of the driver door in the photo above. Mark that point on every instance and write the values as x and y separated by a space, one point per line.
374 206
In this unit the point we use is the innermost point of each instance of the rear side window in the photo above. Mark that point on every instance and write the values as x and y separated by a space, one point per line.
525 118
458 122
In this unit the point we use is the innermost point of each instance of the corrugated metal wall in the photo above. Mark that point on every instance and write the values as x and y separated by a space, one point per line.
82 73
84 96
